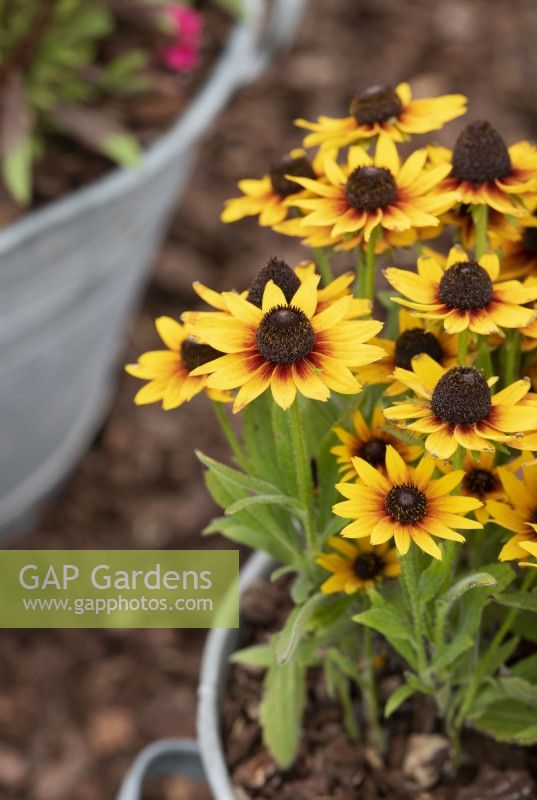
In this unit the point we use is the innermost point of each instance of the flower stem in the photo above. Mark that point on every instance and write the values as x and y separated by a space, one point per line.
462 351
410 580
323 264
480 214
229 433
371 702
484 359
360 272
371 263
510 356
303 472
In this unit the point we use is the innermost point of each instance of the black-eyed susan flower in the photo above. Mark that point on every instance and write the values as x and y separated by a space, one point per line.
462 292
357 566
481 479
519 514
269 196
414 338
369 442
531 549
455 407
368 191
485 172
407 505
168 372
384 109
285 345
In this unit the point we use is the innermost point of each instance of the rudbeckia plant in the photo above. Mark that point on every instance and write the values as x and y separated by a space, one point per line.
385 455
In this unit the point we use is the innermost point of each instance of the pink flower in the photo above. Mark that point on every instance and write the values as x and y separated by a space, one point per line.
183 54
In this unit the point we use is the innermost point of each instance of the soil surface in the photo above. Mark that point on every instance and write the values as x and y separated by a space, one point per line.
76 706
330 765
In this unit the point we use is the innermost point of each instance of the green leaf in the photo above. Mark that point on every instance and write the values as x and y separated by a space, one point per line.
451 652
249 482
282 709
253 536
259 655
477 580
397 698
431 579
526 668
520 689
295 628
393 627
523 600
263 500
283 446
122 148
508 721
16 139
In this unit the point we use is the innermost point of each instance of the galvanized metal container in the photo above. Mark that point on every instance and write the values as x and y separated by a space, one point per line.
71 273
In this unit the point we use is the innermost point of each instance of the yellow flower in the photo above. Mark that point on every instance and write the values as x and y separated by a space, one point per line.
369 442
384 109
455 407
531 548
269 196
169 371
357 567
485 172
285 344
481 479
369 191
462 292
407 505
414 338
520 513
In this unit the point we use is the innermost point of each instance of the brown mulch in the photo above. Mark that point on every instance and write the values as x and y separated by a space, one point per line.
75 706
330 765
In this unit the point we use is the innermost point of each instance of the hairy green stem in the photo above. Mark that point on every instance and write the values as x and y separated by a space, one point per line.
323 264
410 580
304 476
229 433
484 359
370 264
359 286
462 350
510 356
369 691
480 214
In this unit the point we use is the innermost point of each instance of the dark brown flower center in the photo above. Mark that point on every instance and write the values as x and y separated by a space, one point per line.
368 566
194 355
466 286
283 276
530 240
414 342
480 154
373 451
298 167
480 482
461 397
285 335
369 188
376 104
406 504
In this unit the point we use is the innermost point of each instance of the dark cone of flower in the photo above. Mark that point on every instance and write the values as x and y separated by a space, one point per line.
480 154
283 276
406 504
414 342
285 336
376 104
479 482
374 452
461 397
369 188
466 286
298 167
530 240
194 355
368 566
